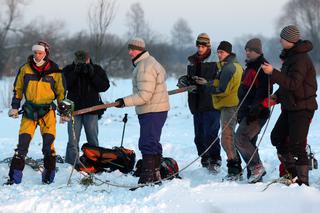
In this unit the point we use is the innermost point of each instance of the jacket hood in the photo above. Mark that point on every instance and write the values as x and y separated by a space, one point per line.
232 58
302 46
257 62
197 58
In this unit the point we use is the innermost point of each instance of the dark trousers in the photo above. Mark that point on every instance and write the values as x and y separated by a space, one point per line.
246 138
150 132
293 125
206 128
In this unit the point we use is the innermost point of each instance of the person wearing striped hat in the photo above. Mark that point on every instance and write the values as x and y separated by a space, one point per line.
206 118
297 96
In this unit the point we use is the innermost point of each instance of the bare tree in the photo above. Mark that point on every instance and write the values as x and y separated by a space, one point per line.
100 17
9 15
20 43
181 34
137 25
306 15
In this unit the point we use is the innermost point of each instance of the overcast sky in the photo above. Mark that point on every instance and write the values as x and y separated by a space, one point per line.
221 19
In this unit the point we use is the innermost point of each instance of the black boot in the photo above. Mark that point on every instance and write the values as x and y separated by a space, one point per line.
214 165
16 168
289 164
234 170
205 161
157 174
303 174
49 169
148 169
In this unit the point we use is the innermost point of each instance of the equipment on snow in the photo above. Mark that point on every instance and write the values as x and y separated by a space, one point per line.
35 164
286 180
98 159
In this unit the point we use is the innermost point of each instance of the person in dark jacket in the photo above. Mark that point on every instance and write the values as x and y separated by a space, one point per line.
224 91
206 118
297 95
84 82
254 111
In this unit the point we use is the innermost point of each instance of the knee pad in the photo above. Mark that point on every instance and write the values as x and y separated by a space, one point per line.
23 145
18 161
48 140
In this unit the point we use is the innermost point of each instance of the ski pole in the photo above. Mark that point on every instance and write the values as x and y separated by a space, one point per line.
125 119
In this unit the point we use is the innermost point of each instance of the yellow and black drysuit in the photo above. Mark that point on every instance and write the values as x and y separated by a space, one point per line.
40 86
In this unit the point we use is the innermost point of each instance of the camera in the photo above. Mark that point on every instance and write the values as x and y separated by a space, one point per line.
66 107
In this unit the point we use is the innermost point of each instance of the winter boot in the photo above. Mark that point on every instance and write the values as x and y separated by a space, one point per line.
303 174
234 170
148 169
205 161
157 174
214 165
16 168
49 169
257 172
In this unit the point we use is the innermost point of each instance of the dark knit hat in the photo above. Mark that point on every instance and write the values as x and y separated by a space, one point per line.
225 46
290 33
137 44
81 57
254 45
203 39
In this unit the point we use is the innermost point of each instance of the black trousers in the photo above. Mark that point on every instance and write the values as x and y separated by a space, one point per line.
294 126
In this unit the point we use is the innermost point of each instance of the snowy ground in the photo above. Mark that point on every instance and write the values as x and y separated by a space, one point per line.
197 191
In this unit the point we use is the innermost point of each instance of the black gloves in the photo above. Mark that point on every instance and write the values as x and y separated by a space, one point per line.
257 111
85 69
121 103
79 67
185 81
89 70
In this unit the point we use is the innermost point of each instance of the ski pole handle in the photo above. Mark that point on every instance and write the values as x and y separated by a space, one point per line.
125 118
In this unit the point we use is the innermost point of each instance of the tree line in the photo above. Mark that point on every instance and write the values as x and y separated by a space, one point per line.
110 50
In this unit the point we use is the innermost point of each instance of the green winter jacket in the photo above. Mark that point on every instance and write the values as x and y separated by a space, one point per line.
224 88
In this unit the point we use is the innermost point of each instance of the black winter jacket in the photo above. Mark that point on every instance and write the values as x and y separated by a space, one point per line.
201 100
83 87
297 79
259 90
